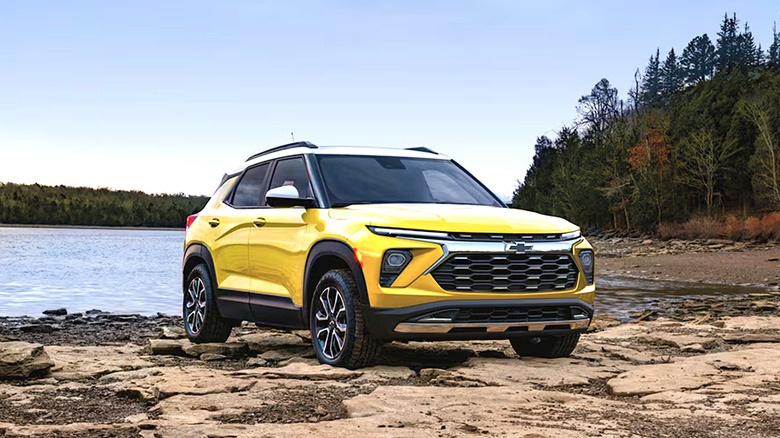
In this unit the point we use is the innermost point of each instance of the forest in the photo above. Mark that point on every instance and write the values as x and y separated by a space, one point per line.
60 205
696 140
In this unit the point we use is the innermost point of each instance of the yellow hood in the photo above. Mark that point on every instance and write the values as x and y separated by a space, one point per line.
454 218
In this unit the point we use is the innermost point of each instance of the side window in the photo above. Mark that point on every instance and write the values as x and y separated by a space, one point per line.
249 192
292 172
445 189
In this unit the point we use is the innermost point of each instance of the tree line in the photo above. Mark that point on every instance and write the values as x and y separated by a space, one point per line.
60 205
698 135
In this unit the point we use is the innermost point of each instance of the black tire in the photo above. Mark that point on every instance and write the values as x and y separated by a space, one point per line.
549 346
209 326
358 348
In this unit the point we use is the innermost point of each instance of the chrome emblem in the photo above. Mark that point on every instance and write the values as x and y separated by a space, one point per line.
518 247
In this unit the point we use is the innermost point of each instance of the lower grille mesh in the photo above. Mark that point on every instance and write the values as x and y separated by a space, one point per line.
513 314
507 273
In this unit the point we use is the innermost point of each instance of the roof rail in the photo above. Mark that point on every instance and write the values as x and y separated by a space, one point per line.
422 149
297 144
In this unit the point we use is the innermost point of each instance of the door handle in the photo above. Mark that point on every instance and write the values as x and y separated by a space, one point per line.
259 222
213 222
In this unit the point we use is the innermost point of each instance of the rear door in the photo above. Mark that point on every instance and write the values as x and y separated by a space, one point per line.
229 224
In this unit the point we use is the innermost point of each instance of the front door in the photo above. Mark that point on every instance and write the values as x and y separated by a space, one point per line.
277 254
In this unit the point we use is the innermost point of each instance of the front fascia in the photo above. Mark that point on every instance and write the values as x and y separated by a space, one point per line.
415 285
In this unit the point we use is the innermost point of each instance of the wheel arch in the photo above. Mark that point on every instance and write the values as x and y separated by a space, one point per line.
324 256
195 254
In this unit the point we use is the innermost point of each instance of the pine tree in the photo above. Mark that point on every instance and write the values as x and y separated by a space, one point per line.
651 82
698 60
671 75
773 56
747 55
728 43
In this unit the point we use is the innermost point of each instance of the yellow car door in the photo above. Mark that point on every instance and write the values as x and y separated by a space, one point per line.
230 224
276 243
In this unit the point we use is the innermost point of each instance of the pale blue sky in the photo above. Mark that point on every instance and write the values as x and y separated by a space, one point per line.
165 96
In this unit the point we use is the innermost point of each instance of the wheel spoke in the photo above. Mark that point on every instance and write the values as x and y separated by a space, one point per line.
339 341
324 302
321 316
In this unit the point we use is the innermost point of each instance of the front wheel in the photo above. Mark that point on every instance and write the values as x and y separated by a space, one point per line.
202 320
338 329
549 346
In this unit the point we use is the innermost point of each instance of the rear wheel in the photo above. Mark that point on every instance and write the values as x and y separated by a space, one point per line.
202 320
338 329
546 346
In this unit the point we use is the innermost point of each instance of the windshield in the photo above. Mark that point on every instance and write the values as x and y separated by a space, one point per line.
353 179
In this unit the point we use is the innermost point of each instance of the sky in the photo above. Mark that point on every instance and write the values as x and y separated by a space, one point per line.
166 96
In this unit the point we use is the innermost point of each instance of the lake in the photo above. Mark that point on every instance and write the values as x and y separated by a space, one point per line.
124 271
137 271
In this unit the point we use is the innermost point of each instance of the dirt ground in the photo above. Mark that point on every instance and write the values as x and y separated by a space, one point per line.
706 367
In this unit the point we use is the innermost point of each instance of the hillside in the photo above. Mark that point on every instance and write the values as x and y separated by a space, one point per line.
697 136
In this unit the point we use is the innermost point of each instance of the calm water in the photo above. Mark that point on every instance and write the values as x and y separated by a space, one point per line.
137 271
123 271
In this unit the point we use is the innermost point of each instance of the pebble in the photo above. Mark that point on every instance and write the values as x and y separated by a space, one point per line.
56 312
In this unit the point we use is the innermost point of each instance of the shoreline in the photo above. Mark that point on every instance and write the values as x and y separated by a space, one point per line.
91 227
707 262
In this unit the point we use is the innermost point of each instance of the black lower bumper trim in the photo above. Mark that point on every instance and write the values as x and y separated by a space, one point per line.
535 315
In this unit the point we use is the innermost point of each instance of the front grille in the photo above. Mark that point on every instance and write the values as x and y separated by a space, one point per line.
507 273
513 314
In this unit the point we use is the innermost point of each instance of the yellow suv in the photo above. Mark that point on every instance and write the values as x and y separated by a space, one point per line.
368 245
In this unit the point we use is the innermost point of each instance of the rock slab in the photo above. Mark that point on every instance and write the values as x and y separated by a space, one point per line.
21 359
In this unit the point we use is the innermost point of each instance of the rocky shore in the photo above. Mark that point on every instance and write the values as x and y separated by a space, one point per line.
703 367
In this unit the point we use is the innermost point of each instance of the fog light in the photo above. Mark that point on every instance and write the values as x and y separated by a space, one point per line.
393 264
586 259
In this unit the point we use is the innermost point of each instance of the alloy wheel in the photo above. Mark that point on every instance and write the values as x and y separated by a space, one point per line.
331 322
195 305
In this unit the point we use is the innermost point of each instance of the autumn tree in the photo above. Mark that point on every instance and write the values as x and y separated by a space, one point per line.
766 159
650 164
703 161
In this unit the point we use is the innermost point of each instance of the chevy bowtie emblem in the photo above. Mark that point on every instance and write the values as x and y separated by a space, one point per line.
518 247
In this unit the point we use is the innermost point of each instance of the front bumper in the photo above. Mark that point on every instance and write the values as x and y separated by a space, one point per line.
479 319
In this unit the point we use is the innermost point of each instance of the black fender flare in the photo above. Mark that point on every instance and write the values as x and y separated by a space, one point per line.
200 251
340 249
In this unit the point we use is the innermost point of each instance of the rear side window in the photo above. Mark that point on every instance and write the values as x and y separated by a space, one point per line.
292 172
250 190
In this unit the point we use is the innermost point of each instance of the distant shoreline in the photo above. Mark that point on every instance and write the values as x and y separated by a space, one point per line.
90 227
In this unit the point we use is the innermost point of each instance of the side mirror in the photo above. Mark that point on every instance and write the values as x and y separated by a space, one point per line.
287 196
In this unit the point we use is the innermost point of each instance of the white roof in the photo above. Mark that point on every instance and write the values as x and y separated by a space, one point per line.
342 150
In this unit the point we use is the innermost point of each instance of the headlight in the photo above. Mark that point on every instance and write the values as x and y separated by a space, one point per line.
572 235
393 263
586 259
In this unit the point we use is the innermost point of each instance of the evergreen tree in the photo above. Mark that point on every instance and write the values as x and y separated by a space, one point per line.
728 44
651 82
671 75
773 56
698 60
747 55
